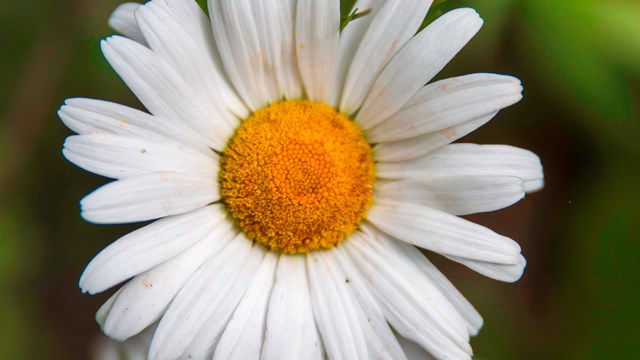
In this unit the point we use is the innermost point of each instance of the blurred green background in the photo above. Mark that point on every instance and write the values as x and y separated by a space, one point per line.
580 64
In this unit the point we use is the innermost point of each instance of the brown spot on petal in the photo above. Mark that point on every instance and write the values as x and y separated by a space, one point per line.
147 282
449 133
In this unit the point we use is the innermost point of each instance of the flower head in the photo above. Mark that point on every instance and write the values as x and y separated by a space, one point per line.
293 170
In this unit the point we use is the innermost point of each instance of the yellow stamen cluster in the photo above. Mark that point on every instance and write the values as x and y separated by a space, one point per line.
298 176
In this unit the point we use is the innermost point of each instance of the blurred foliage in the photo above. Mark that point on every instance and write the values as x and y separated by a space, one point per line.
580 64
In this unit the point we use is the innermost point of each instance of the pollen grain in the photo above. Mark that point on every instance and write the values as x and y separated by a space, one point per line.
298 176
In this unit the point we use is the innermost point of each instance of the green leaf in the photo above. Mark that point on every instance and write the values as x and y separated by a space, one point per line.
355 14
203 4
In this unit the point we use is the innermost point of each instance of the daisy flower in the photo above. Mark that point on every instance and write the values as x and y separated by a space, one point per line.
293 171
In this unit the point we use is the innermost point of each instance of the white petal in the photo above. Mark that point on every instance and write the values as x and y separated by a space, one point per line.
122 157
317 44
275 22
417 63
448 103
123 21
393 25
534 185
170 39
379 336
335 310
90 116
291 332
410 302
161 88
236 35
350 39
443 233
457 195
147 247
460 303
212 293
244 335
467 160
206 341
103 311
407 263
144 298
423 144
413 351
148 197
502 272
196 23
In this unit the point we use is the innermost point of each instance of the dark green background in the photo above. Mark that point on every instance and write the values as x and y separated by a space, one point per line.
580 64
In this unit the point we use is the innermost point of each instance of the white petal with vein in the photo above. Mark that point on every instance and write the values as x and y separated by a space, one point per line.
213 292
161 88
417 63
468 160
443 233
392 26
418 313
121 157
381 342
243 337
123 21
291 332
147 247
145 298
147 197
169 39
469 313
317 43
448 103
92 117
502 272
457 195
412 148
350 39
335 309
236 34
198 26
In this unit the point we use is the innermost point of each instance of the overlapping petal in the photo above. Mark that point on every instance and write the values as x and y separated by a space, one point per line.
391 27
149 196
96 117
416 64
123 20
245 334
291 331
419 313
161 88
338 316
448 103
317 44
147 247
469 160
237 36
186 53
206 302
443 233
145 298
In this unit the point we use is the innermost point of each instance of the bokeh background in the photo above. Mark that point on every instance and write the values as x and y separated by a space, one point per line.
580 64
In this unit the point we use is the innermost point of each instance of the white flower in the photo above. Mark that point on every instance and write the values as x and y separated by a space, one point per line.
271 240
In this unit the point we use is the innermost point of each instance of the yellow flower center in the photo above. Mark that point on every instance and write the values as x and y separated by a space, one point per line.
298 176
